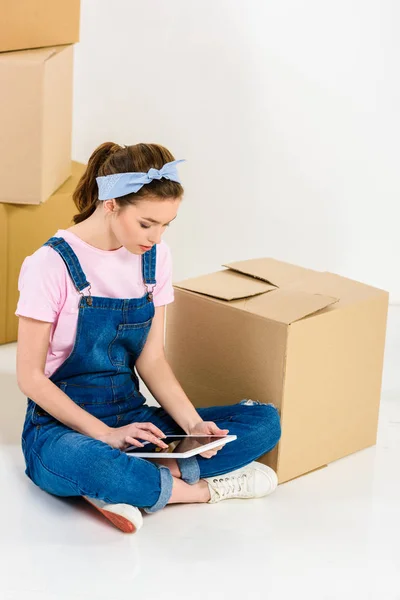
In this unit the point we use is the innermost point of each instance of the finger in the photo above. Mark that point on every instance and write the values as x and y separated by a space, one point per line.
133 442
143 430
216 430
145 435
208 454
151 427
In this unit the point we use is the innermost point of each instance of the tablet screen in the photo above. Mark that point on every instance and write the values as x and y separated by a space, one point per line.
186 443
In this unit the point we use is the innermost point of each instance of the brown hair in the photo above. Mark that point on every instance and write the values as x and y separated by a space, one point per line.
110 158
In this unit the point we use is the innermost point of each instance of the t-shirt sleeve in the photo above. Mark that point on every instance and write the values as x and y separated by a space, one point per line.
163 291
42 286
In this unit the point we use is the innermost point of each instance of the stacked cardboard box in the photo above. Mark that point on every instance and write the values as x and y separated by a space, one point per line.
36 73
35 123
23 229
38 23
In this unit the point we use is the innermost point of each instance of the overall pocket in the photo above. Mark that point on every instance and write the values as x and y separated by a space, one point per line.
128 342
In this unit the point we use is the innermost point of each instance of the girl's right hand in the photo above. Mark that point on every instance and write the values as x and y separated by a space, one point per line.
122 437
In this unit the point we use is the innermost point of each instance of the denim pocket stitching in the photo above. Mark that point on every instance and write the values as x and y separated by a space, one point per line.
114 362
123 326
126 327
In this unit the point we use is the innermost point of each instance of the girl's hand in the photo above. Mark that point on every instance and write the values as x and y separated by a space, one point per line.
208 428
129 435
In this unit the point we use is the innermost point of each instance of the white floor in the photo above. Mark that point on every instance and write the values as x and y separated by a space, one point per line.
333 534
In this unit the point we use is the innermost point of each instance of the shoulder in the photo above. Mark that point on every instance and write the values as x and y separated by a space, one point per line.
44 259
42 285
44 264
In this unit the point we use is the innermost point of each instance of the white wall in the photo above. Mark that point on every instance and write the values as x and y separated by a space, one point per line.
287 112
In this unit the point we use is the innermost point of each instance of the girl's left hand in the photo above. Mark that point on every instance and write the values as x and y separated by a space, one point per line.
208 428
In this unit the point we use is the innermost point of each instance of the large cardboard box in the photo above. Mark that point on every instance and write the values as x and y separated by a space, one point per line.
38 23
25 229
310 342
35 123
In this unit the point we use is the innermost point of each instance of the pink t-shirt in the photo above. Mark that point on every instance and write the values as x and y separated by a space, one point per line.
47 292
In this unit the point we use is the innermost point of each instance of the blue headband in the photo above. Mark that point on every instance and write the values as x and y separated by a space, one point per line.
121 184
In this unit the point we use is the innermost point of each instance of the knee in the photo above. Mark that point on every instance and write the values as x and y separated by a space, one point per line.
267 421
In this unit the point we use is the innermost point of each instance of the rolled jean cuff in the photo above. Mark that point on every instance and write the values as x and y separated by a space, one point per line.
189 468
166 482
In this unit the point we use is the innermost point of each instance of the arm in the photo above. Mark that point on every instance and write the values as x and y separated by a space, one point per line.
33 342
156 373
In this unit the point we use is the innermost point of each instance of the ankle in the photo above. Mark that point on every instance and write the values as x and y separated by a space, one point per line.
205 490
184 492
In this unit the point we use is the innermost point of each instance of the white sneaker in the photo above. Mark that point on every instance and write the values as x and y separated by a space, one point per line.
253 481
124 516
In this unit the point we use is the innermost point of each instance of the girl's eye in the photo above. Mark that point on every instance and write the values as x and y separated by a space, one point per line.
148 226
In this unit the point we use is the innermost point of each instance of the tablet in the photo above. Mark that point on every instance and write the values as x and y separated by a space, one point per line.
181 446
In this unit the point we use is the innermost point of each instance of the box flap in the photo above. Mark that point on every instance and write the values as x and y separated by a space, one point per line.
286 306
273 271
225 285
347 290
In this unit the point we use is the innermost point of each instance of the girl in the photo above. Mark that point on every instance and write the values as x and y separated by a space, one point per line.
91 318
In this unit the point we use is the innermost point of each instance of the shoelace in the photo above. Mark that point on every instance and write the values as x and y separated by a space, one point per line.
228 485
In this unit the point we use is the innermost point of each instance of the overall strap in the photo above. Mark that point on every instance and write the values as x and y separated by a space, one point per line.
71 261
149 269
149 265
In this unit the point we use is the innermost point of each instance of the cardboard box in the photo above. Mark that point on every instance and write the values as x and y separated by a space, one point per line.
35 123
25 229
38 23
3 272
310 342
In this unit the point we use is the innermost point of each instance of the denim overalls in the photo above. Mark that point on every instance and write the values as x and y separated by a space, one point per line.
99 376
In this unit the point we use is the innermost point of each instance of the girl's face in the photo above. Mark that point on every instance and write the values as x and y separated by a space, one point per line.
138 227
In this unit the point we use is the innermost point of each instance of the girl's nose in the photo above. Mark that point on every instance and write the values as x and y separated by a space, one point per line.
155 238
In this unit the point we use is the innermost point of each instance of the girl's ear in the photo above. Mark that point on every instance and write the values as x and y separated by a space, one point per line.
110 206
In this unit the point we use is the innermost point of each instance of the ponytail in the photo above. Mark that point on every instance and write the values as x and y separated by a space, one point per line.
86 193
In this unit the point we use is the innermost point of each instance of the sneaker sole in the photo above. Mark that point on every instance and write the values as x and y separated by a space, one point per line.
122 523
